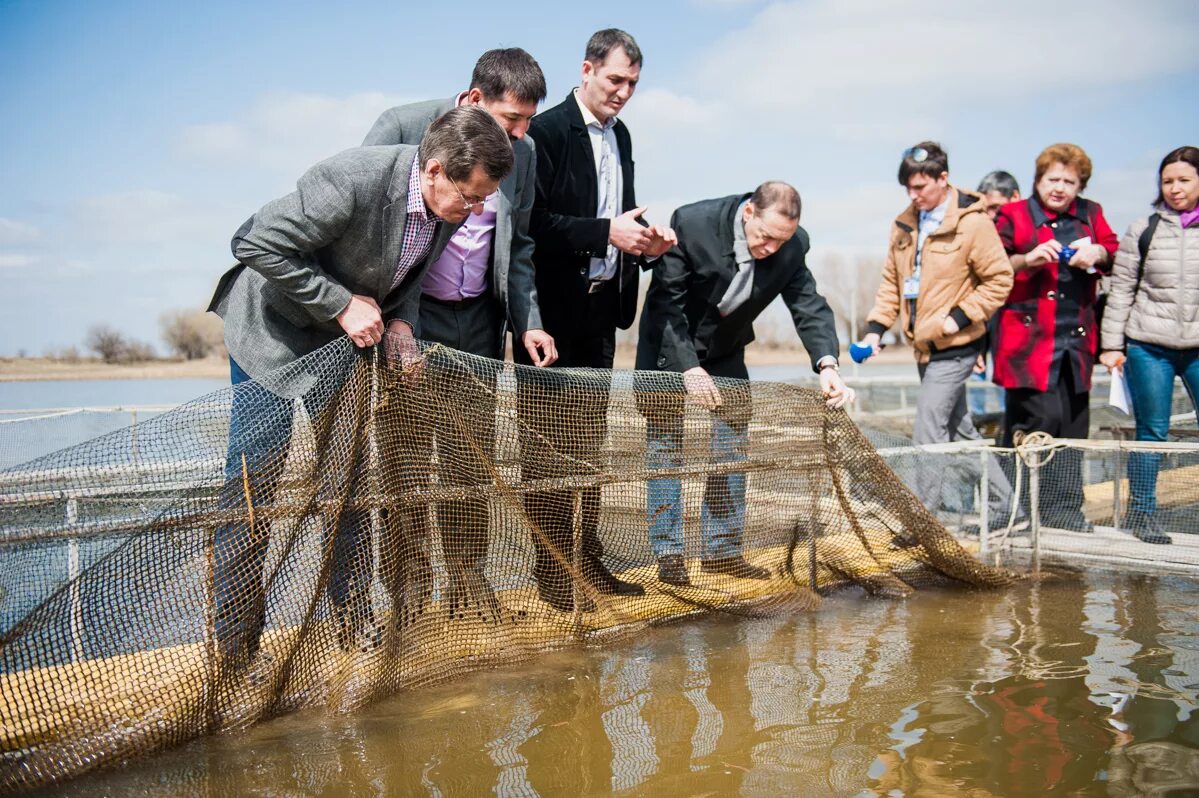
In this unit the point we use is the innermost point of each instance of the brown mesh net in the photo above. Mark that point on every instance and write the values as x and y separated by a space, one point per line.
342 530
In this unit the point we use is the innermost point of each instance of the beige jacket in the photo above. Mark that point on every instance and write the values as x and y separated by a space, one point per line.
1165 311
963 270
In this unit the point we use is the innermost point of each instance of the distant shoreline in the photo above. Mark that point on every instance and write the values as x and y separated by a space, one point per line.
36 369
43 369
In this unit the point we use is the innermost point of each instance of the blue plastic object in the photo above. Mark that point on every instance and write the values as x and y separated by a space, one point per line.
860 352
1064 256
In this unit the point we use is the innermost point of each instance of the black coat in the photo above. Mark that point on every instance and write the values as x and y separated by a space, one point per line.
680 325
564 226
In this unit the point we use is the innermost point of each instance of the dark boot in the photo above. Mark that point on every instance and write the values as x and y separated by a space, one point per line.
605 582
734 566
673 571
1146 528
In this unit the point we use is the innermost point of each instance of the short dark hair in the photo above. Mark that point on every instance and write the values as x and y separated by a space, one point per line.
509 71
780 196
1181 155
1000 181
466 137
925 158
603 41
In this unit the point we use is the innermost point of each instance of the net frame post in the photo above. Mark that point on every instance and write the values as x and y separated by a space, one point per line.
1034 508
576 553
76 601
1120 473
984 497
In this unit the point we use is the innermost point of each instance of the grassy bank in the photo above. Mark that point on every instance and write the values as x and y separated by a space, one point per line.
34 368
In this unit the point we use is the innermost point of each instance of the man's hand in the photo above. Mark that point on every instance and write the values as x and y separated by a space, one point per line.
949 326
1043 253
1113 359
701 388
980 364
540 346
401 348
874 341
1088 257
837 394
362 321
629 235
663 239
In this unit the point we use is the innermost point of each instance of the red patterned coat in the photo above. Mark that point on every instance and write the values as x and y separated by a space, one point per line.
1049 321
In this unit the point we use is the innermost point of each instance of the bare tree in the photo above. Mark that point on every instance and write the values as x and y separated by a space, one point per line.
849 288
106 342
191 334
112 347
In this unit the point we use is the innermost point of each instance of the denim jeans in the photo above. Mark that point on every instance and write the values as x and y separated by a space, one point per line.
260 430
722 516
1150 373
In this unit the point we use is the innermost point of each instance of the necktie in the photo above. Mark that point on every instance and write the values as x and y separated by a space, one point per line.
739 289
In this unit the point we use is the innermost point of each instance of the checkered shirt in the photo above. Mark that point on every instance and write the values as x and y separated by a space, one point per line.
419 228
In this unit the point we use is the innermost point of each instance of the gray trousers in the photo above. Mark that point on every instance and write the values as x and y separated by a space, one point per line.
942 415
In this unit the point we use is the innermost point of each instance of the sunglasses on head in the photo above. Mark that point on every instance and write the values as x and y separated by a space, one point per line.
916 154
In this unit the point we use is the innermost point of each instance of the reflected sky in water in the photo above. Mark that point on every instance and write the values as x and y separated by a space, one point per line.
1085 686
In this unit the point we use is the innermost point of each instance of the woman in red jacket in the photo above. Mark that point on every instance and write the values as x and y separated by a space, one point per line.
1060 245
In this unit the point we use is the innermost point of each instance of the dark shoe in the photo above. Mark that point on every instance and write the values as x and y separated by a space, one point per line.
734 566
1071 522
559 597
1145 527
564 602
605 582
673 571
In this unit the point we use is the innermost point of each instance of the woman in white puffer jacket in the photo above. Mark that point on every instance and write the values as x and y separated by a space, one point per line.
1151 324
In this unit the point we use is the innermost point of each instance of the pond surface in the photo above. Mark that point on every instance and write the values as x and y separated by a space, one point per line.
1080 687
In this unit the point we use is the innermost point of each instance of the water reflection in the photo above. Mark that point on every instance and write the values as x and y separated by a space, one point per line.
1067 688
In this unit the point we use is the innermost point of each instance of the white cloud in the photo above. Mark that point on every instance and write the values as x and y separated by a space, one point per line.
150 217
16 233
287 132
14 260
840 59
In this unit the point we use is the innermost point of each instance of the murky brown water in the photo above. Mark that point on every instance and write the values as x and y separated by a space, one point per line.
1082 688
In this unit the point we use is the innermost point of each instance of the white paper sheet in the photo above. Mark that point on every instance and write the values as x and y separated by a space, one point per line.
1119 397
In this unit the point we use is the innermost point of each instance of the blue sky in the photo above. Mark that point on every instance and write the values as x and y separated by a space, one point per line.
136 136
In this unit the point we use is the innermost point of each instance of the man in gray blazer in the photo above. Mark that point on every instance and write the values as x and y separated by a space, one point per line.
344 254
480 284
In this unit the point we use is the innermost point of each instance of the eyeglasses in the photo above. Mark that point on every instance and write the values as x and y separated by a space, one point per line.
468 203
916 154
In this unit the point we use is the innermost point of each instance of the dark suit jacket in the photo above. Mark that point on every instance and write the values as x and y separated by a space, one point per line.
680 325
564 227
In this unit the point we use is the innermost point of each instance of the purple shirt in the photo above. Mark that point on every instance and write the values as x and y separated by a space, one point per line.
1188 218
461 271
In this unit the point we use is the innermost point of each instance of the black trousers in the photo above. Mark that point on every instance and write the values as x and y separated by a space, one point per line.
465 429
563 423
1063 411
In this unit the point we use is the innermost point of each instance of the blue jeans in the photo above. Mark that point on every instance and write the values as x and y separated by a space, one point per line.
259 439
722 517
1150 373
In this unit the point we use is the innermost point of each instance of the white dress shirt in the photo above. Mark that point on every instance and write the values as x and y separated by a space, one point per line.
608 181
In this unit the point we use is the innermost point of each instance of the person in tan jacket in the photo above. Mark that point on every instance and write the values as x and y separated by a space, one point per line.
945 274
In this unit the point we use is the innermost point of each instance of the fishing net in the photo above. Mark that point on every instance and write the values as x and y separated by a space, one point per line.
343 529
